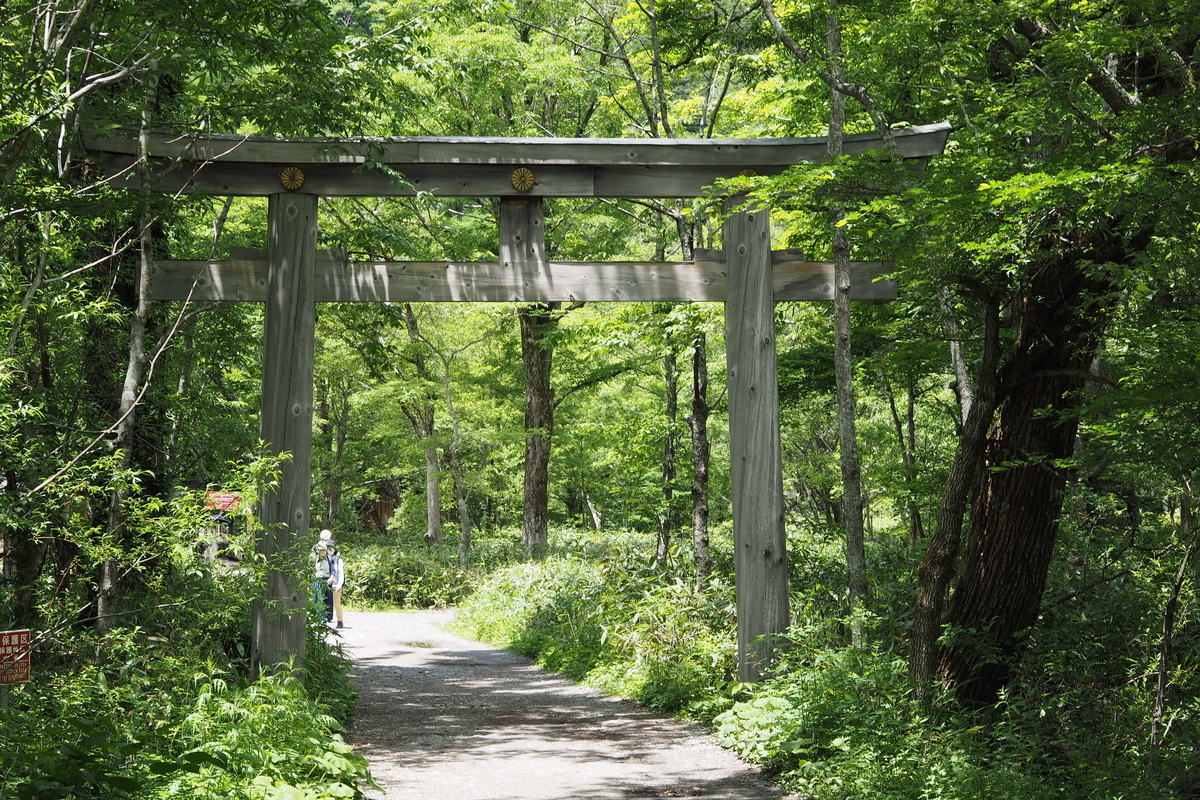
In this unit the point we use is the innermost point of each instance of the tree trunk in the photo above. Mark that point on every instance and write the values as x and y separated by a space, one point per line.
423 420
1170 612
333 411
108 585
537 322
460 491
665 517
433 484
916 527
852 497
593 513
464 513
936 570
1019 499
336 476
698 422
962 382
906 440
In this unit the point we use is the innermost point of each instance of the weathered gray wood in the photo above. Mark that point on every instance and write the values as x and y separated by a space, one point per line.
760 552
484 180
483 167
915 142
523 237
286 427
450 180
339 281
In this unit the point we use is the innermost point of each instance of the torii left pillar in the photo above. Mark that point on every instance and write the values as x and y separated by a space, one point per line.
756 475
280 617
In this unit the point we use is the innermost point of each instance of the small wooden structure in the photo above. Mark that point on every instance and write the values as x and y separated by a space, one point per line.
292 275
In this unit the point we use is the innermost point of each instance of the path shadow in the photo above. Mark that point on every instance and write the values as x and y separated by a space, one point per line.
461 720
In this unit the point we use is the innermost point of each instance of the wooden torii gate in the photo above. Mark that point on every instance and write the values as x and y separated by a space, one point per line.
747 276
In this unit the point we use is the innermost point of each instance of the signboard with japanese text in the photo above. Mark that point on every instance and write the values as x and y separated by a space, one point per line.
222 501
14 656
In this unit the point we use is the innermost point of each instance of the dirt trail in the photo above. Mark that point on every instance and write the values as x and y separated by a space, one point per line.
442 717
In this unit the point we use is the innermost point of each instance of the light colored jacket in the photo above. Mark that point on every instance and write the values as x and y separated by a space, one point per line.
336 571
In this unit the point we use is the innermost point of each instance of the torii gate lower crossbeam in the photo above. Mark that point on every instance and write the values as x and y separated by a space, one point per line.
748 277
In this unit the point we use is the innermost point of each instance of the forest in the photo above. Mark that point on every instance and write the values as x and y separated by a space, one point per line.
992 567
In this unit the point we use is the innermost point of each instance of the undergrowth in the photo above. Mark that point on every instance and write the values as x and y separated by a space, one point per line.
164 703
837 722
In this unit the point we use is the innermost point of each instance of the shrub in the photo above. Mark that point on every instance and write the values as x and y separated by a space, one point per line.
124 715
267 740
837 723
552 611
403 577
611 621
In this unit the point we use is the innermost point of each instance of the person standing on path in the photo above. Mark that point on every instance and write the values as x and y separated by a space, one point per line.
337 576
323 566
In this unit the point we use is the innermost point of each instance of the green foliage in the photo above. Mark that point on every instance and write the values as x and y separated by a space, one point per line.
122 714
410 576
601 616
837 722
268 740
1075 142
75 758
264 740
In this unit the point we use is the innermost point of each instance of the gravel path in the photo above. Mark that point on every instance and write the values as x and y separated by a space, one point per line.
442 717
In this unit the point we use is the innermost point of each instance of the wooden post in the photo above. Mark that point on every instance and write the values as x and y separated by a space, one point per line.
523 256
286 427
522 235
760 558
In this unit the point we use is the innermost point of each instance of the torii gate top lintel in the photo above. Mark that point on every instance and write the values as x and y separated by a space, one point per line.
457 166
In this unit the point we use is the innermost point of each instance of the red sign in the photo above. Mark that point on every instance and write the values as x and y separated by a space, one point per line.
222 501
14 656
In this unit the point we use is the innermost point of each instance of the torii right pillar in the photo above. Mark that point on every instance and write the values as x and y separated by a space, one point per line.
760 546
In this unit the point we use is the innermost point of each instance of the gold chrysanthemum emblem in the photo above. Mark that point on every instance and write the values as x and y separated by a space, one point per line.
522 179
748 173
291 178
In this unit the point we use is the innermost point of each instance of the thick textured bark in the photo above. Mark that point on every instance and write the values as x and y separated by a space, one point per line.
698 422
1019 498
537 321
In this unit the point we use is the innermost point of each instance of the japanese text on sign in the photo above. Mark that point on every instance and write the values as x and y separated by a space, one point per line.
14 656
222 501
